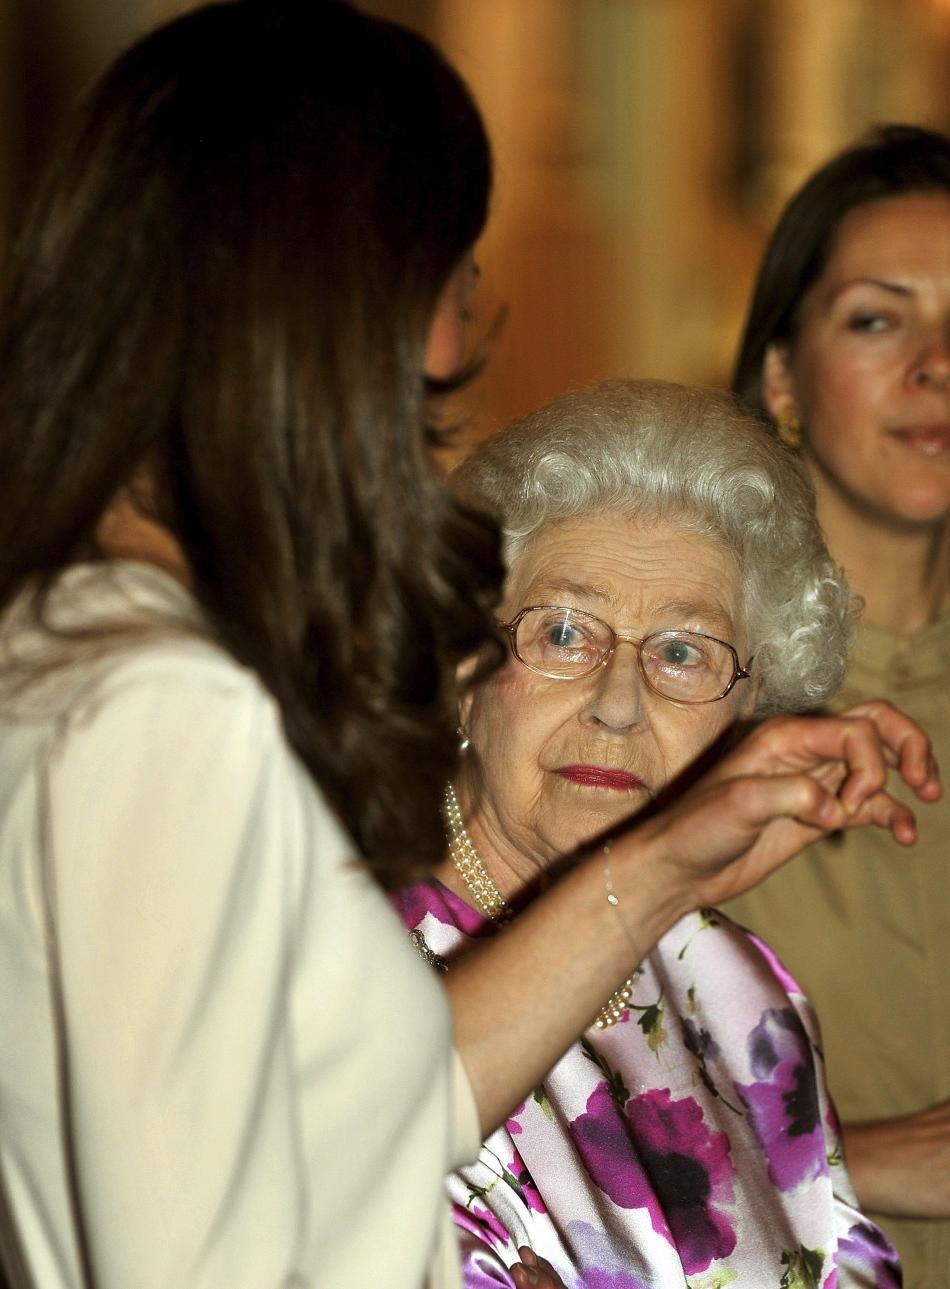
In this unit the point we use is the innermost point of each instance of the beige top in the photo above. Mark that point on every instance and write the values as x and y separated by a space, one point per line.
222 1063
865 926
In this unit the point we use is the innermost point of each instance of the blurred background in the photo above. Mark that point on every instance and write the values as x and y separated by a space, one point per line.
643 148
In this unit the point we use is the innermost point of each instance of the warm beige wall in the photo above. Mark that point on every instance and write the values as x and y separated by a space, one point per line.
546 254
642 149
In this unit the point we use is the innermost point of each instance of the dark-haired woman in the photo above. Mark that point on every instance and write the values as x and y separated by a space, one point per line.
233 598
847 349
229 574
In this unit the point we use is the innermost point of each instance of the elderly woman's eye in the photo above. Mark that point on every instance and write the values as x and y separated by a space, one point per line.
558 634
563 634
679 653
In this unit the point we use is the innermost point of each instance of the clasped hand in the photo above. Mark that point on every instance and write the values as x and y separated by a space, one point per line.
790 781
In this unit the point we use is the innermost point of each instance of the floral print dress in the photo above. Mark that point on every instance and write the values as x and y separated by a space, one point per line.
692 1144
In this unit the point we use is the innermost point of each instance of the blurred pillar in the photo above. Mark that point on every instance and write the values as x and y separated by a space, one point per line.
811 50
829 71
664 84
915 60
545 254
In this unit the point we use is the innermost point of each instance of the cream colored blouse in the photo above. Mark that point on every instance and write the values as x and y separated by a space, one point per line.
221 1063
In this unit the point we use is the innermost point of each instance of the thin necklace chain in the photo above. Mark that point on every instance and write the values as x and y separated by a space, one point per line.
490 901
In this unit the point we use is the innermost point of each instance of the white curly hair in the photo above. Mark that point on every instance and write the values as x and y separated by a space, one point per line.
656 450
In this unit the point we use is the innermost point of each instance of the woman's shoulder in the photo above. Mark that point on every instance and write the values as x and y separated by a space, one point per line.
109 634
177 669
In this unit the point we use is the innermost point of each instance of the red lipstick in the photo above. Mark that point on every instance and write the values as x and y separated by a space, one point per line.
601 776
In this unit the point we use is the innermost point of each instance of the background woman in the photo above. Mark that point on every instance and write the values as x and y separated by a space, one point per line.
847 349
666 579
234 594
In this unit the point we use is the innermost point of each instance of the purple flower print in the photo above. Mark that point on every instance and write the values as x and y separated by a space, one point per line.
602 1262
481 1222
481 1268
783 1102
699 1041
413 903
617 1278
691 1171
865 1248
519 1171
778 967
682 1175
602 1138
512 1125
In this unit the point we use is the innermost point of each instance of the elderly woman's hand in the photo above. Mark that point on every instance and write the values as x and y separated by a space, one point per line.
534 1272
901 1166
791 780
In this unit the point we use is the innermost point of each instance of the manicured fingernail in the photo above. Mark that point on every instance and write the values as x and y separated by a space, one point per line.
829 812
852 795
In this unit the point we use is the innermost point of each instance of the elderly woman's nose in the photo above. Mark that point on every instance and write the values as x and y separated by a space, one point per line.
618 698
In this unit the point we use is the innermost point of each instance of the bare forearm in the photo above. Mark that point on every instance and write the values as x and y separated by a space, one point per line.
901 1166
520 1000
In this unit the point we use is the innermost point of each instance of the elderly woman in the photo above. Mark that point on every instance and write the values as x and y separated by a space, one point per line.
666 580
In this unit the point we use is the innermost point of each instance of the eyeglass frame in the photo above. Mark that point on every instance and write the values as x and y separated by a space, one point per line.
620 637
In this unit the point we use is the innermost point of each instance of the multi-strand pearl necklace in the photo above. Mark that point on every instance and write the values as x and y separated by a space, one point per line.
490 901
468 864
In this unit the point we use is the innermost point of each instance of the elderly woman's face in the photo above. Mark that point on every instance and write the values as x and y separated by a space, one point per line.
561 760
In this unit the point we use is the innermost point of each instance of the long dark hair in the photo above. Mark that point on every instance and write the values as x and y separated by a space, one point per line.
892 161
228 279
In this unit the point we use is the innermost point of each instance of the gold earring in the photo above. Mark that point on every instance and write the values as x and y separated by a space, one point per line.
789 427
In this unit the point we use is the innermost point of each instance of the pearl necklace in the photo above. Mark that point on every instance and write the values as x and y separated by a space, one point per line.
490 901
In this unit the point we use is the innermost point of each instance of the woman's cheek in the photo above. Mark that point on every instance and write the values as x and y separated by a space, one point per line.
498 705
843 390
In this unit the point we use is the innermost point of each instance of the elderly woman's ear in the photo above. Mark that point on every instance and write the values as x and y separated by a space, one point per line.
463 675
750 700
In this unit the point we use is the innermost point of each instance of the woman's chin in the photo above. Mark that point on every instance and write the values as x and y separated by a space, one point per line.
587 815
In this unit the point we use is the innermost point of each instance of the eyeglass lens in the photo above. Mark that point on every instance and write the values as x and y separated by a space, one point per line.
566 643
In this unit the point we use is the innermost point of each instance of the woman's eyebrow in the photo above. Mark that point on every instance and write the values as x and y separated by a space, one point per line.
549 592
895 288
709 611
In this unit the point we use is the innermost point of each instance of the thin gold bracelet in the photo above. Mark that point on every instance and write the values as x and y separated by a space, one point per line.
613 899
